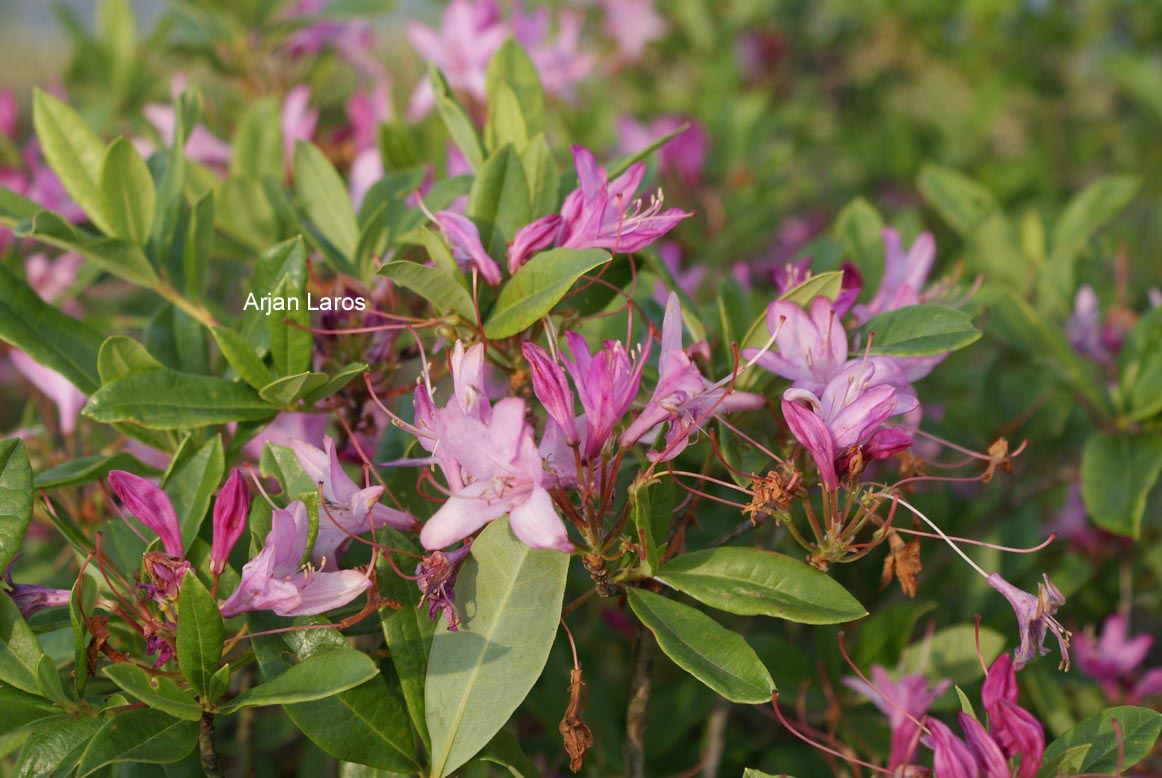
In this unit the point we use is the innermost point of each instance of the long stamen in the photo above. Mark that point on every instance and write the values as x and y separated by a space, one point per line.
940 533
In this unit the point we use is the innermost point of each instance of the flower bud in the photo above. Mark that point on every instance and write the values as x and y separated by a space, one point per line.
230 510
152 508
552 389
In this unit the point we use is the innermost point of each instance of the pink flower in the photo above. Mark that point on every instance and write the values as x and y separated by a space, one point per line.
905 274
1016 731
552 389
684 154
469 34
559 61
273 580
296 118
904 701
502 472
633 25
464 242
1034 618
229 519
151 506
1113 660
67 398
347 510
810 347
682 396
607 383
436 578
201 145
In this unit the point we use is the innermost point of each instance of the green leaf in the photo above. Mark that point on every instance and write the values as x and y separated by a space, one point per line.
280 462
73 151
511 66
459 125
499 200
285 391
1065 763
951 653
121 356
316 677
81 599
19 650
245 361
335 382
965 703
50 337
15 498
753 582
1140 367
321 191
434 285
509 599
537 287
191 481
256 148
407 629
168 400
47 749
541 174
642 512
199 634
714 655
1139 729
960 201
920 331
19 708
858 229
113 255
1117 473
366 724
142 735
156 691
128 197
279 265
506 123
290 345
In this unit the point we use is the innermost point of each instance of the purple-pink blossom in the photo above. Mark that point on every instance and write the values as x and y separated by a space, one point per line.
905 701
228 520
905 273
274 580
469 34
436 578
1035 619
151 506
1113 659
607 383
633 25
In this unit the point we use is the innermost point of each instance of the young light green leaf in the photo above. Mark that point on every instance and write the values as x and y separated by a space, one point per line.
714 655
951 653
318 676
323 196
1117 473
168 400
750 581
128 197
1140 367
499 200
15 498
113 255
256 148
335 383
858 229
141 735
156 691
434 285
506 123
920 330
245 361
19 649
285 392
73 151
511 65
542 176
537 287
460 127
1110 750
121 356
199 634
509 598
290 343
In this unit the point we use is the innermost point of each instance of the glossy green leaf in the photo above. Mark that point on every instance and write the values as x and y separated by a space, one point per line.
285 391
44 333
407 629
336 382
121 356
15 498
81 599
19 708
537 287
316 677
642 512
19 650
509 599
434 285
1139 729
920 330
714 655
191 481
199 634
1065 763
128 197
280 462
513 67
141 735
1117 474
1140 367
73 151
542 176
283 264
753 582
366 724
460 127
242 357
324 198
113 255
506 123
168 400
499 200
48 747
290 343
156 691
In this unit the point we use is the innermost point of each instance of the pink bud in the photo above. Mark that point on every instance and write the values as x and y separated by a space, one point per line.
230 512
552 389
151 506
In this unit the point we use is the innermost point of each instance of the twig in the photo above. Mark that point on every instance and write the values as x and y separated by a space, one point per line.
633 751
210 763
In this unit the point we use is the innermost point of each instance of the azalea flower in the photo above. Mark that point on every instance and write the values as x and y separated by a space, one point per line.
682 396
502 473
559 61
552 389
848 419
470 33
904 701
1016 730
436 578
684 154
1034 619
229 519
905 274
810 346
273 580
607 383
1113 658
347 509
633 25
464 242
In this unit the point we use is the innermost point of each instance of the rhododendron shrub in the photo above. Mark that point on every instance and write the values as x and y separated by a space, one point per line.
491 393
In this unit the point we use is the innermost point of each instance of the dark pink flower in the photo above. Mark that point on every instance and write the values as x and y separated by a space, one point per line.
1034 618
436 578
229 519
1113 660
464 242
905 274
469 34
904 701
951 757
552 389
607 383
531 238
151 507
